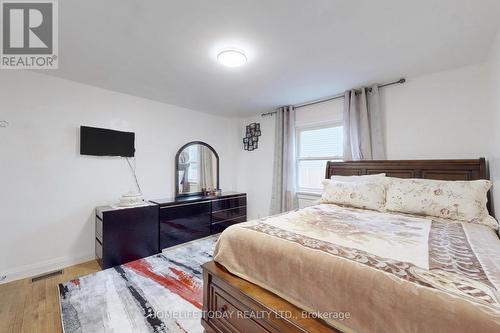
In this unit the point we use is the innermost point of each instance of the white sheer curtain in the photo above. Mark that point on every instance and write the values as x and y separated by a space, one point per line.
363 134
284 174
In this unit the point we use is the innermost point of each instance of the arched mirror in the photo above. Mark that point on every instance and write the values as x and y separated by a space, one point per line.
196 169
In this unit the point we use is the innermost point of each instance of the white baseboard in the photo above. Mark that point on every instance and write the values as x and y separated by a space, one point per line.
21 272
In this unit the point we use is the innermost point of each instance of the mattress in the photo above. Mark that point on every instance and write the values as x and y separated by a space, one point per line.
368 271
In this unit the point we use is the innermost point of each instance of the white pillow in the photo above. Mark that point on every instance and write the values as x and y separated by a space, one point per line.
457 200
361 194
374 177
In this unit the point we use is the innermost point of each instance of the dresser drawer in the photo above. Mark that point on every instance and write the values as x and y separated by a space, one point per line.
221 204
125 234
181 210
184 223
233 315
98 228
221 226
98 252
228 214
98 249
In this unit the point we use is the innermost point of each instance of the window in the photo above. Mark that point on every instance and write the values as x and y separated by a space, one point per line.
194 155
316 146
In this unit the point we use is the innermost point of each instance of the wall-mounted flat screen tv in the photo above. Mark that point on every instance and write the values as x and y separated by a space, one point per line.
105 142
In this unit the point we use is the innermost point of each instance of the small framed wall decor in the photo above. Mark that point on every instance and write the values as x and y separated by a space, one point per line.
251 139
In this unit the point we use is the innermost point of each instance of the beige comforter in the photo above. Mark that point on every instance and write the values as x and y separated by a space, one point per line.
365 271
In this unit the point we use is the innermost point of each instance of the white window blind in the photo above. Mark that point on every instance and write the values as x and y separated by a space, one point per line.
321 142
316 146
193 172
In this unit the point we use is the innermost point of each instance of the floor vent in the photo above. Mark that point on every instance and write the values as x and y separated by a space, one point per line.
47 275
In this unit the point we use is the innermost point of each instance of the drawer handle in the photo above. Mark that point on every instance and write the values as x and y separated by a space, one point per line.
223 308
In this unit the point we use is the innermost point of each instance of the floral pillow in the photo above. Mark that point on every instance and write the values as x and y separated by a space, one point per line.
457 200
361 194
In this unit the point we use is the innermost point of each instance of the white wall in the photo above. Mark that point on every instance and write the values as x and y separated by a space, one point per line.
494 134
442 115
255 168
48 191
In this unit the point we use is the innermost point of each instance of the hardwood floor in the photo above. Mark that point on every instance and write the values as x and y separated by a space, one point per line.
33 307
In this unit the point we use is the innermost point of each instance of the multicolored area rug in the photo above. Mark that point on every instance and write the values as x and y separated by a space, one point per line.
161 293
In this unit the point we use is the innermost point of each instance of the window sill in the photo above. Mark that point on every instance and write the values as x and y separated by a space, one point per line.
303 194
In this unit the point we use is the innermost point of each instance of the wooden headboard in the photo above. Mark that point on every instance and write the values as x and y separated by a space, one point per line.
428 169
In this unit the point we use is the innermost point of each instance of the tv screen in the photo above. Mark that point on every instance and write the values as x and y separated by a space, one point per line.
105 142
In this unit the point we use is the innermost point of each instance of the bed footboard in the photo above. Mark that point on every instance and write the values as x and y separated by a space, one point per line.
231 304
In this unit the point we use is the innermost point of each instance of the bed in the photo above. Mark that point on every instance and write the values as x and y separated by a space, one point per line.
331 268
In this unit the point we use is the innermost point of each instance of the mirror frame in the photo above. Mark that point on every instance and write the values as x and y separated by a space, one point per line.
180 195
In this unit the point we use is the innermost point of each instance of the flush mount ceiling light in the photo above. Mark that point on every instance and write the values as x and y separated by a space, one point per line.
232 58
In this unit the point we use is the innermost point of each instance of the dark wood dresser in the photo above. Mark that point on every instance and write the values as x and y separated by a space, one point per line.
125 234
189 218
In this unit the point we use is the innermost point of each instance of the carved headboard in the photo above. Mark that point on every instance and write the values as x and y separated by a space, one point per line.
428 169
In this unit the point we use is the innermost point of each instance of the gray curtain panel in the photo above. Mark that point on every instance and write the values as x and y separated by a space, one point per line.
363 133
207 169
284 196
183 172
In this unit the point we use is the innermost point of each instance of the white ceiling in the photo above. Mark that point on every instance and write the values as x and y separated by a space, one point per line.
165 50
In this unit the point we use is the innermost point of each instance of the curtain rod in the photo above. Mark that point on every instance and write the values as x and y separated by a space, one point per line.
400 81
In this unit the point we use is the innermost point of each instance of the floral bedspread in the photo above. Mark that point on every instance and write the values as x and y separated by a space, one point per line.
390 272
